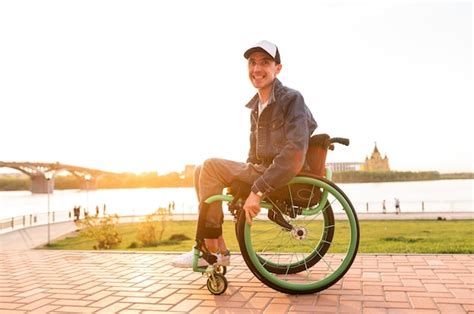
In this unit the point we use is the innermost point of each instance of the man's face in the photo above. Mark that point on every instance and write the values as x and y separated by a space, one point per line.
262 69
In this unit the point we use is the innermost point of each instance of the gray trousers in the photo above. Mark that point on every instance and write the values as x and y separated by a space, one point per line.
210 179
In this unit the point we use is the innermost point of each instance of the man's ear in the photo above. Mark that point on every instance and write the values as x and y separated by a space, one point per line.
278 68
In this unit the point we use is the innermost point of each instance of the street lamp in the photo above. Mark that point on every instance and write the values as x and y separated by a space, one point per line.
88 178
48 176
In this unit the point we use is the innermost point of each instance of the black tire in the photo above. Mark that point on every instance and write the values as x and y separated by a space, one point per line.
219 286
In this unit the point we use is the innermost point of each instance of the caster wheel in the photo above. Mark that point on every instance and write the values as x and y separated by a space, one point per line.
221 270
217 284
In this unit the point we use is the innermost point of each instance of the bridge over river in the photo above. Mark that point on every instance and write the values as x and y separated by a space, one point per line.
42 174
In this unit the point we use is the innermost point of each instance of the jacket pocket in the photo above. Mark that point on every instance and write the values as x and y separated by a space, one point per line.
277 124
278 137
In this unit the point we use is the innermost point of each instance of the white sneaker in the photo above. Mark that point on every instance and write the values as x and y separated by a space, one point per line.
186 260
223 259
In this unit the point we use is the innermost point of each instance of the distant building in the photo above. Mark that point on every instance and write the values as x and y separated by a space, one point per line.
344 166
376 162
188 171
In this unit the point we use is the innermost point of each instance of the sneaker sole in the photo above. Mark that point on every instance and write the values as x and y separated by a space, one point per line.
180 265
223 263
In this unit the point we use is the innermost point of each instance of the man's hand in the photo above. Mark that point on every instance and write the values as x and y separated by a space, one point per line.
252 207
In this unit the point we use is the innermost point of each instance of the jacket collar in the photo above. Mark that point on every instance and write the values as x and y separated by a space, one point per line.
253 103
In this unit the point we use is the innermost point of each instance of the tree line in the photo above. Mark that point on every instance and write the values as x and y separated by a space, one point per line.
124 180
384 176
174 179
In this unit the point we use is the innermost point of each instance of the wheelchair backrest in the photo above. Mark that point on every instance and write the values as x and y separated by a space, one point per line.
317 152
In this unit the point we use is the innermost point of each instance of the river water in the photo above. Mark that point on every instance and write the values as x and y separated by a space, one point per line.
415 196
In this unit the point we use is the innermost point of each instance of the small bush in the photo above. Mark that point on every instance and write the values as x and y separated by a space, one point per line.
103 231
163 214
153 224
402 239
147 231
133 245
179 237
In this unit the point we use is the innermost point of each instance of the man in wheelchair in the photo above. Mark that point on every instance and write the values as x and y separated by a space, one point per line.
281 126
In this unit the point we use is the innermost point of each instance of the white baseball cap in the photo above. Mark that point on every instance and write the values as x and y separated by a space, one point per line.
267 47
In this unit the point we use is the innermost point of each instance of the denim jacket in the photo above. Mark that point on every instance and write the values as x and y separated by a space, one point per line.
279 137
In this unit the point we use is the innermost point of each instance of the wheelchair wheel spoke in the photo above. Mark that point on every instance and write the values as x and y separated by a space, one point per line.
310 197
306 268
275 205
324 260
269 243
288 267
316 216
291 196
269 231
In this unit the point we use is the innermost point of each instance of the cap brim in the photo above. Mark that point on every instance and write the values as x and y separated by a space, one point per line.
255 49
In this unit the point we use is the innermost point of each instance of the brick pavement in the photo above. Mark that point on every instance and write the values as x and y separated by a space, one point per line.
40 281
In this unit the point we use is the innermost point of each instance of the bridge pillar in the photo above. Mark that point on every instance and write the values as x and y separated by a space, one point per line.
90 184
39 184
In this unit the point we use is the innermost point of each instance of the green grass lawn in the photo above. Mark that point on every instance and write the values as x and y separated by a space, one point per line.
407 236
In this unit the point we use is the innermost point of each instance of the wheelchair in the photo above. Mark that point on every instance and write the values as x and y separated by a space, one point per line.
304 239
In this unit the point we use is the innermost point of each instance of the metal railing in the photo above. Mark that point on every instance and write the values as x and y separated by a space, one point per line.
415 206
36 219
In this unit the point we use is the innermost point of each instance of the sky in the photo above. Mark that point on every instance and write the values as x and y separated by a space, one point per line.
138 86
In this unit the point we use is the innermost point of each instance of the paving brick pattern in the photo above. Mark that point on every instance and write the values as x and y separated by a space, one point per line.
40 281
